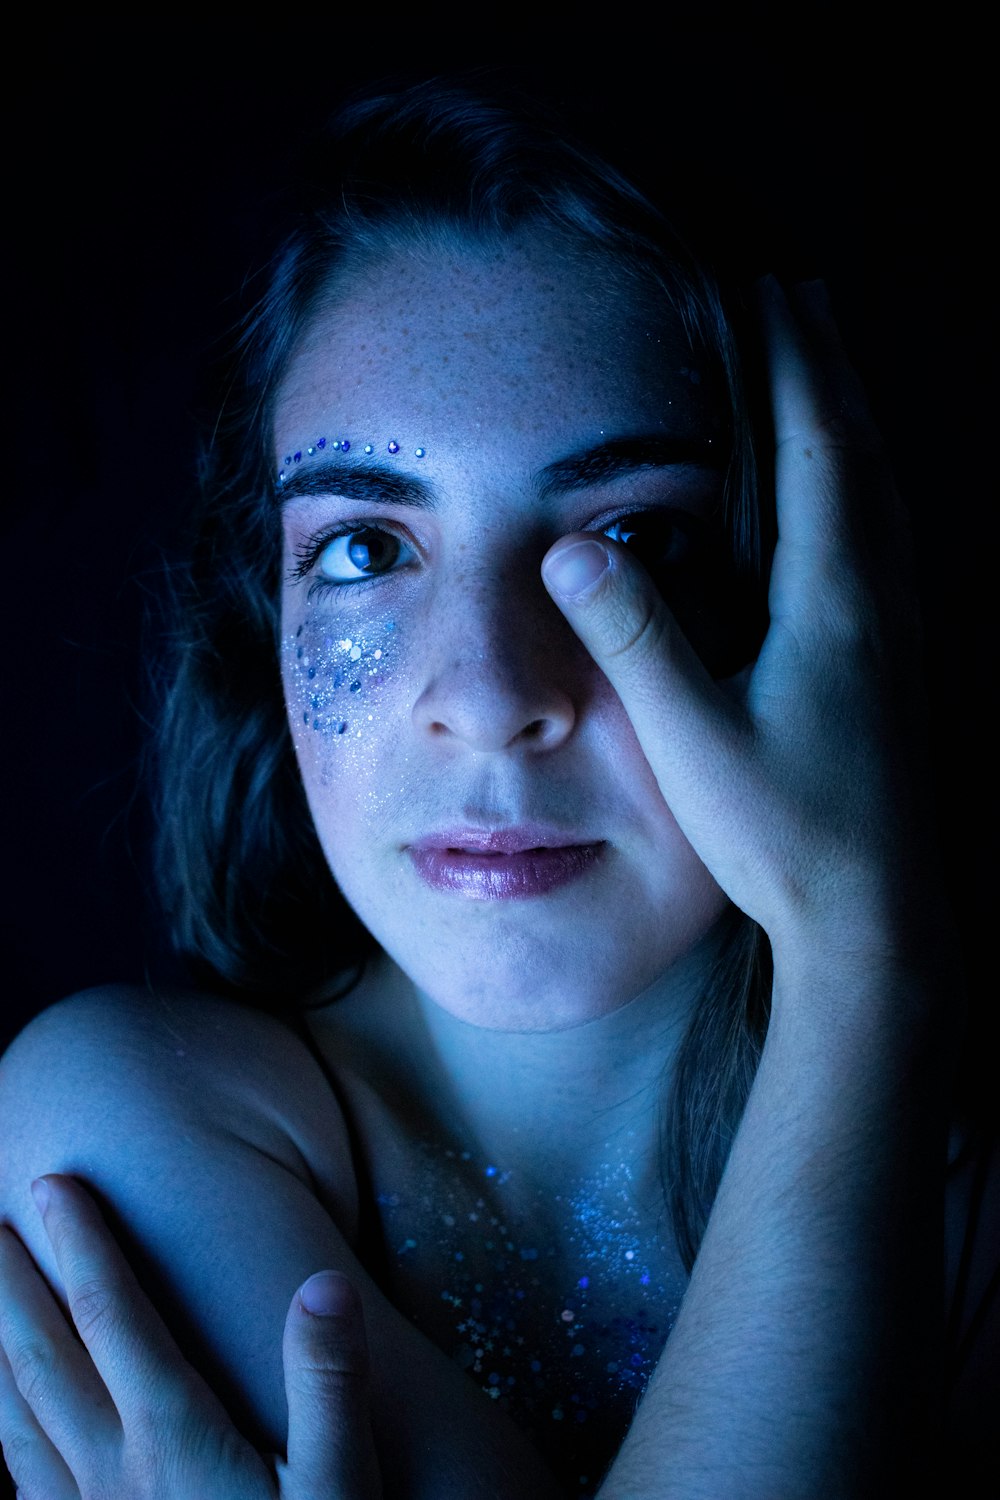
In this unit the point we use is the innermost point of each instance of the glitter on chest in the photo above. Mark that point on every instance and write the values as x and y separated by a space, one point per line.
563 1335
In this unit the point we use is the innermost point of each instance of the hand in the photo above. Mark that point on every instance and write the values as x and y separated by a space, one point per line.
122 1416
797 783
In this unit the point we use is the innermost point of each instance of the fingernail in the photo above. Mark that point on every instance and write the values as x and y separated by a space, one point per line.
41 1193
575 568
327 1295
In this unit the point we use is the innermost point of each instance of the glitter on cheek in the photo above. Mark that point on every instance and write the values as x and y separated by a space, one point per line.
338 676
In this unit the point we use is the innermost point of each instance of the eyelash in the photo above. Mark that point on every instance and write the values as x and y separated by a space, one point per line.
682 525
310 553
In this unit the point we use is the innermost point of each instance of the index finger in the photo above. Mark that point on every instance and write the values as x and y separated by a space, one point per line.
137 1359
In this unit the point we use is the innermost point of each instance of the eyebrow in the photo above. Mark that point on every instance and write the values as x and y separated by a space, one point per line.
620 456
608 460
372 482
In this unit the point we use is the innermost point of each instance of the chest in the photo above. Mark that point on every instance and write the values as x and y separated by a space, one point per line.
556 1302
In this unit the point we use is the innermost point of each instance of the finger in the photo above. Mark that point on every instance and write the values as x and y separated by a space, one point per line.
136 1358
34 1465
681 718
833 488
331 1450
816 388
54 1375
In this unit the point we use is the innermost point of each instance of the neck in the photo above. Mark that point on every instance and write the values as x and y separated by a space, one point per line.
551 1107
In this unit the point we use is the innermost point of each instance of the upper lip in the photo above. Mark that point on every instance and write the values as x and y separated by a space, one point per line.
512 839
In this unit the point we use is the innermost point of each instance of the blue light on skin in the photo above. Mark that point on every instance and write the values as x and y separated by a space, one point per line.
332 678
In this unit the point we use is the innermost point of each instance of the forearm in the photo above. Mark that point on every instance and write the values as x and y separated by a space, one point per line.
808 1330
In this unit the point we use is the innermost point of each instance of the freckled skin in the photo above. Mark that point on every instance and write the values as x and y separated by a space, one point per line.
489 710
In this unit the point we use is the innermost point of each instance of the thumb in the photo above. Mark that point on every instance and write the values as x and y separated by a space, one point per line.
676 709
331 1451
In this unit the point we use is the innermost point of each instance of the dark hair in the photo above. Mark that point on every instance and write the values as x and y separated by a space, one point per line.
250 900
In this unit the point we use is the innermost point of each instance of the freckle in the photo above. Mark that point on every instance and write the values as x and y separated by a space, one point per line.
298 632
355 686
808 452
311 672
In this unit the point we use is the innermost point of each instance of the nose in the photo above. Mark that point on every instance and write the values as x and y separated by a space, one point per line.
504 672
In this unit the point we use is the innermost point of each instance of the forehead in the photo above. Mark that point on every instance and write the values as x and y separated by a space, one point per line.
516 345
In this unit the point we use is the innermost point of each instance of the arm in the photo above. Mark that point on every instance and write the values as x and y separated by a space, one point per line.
806 1356
122 1414
177 1115
808 1334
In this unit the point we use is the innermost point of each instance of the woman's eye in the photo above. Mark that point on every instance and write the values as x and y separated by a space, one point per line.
364 553
659 540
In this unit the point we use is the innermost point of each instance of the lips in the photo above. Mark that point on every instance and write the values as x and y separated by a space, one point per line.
502 864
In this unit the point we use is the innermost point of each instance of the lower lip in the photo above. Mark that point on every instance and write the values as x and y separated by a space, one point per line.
503 877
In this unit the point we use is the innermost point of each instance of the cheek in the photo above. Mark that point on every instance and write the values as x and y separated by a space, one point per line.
345 698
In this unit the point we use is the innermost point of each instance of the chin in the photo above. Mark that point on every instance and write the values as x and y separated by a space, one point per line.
523 981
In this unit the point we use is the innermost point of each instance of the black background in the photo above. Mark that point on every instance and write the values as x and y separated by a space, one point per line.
141 154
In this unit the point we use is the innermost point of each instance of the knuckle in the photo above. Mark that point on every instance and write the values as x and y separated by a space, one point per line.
635 628
33 1364
182 1450
334 1384
92 1307
21 1455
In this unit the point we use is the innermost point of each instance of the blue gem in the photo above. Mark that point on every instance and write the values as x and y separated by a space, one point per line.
297 458
281 476
310 451
345 445
321 442
420 452
336 442
393 446
369 448
288 459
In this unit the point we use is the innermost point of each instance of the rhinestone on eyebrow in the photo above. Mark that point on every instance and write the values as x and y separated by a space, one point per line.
342 445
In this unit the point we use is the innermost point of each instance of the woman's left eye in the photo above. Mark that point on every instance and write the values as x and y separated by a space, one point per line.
660 540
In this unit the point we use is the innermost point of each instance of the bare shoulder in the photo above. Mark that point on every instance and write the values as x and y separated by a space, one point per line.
216 1149
119 1063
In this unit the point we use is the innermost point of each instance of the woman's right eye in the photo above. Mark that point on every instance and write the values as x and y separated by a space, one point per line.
356 555
360 554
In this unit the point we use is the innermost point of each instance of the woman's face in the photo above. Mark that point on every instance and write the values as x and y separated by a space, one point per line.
475 782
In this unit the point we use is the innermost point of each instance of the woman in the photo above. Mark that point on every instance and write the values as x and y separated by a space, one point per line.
487 535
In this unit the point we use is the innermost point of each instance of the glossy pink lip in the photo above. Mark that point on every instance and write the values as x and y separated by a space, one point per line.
502 864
